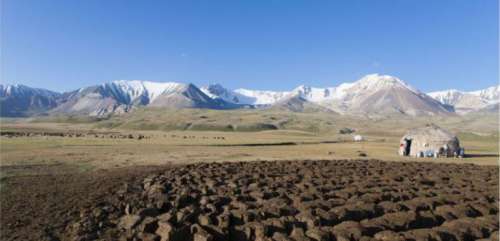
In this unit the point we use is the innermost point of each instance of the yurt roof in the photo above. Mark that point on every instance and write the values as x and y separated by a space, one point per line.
431 131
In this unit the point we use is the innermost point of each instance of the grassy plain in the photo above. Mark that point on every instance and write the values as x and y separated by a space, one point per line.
297 136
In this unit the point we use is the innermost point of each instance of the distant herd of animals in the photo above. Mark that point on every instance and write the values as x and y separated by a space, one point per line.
11 134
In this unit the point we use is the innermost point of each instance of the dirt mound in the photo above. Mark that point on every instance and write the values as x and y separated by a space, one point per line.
307 200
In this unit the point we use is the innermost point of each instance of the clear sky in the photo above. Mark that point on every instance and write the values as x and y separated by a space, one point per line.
260 44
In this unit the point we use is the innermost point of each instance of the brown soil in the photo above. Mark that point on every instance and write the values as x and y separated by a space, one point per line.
306 200
38 206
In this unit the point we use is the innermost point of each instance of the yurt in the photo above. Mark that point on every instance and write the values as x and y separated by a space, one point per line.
430 141
358 138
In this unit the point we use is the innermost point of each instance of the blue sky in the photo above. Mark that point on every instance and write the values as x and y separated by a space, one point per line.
262 44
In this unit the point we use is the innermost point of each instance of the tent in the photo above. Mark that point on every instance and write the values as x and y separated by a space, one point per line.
430 141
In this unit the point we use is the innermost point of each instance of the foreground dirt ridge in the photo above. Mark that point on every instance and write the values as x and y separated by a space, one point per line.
306 200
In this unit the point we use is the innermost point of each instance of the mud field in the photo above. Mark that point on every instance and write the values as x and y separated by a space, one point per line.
307 200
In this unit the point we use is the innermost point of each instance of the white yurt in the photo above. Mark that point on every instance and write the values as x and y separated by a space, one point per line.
358 138
430 141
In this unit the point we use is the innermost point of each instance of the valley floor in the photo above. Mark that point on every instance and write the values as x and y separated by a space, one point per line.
75 148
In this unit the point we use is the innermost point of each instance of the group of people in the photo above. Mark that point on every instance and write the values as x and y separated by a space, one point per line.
442 152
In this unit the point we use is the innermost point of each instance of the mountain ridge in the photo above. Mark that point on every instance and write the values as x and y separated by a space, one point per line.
22 101
365 96
469 101
373 94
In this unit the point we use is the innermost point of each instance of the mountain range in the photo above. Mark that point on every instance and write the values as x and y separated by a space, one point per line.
464 102
373 95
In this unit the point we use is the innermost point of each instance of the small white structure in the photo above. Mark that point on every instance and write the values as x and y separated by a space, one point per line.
358 138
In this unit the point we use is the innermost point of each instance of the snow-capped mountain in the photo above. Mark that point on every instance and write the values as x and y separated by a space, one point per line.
373 94
266 97
140 91
384 94
189 96
316 95
23 90
217 91
112 97
120 96
449 97
465 102
261 97
244 96
491 94
21 100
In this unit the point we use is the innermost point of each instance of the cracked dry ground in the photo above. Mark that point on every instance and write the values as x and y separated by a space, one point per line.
306 200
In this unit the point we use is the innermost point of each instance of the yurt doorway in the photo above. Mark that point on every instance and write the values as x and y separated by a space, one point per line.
407 147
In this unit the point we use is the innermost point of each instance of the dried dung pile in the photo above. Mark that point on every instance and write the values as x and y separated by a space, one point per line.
301 200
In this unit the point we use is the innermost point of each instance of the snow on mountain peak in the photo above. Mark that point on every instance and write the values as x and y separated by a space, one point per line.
218 91
449 97
314 94
377 81
468 100
344 92
492 94
134 89
18 89
261 97
155 89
